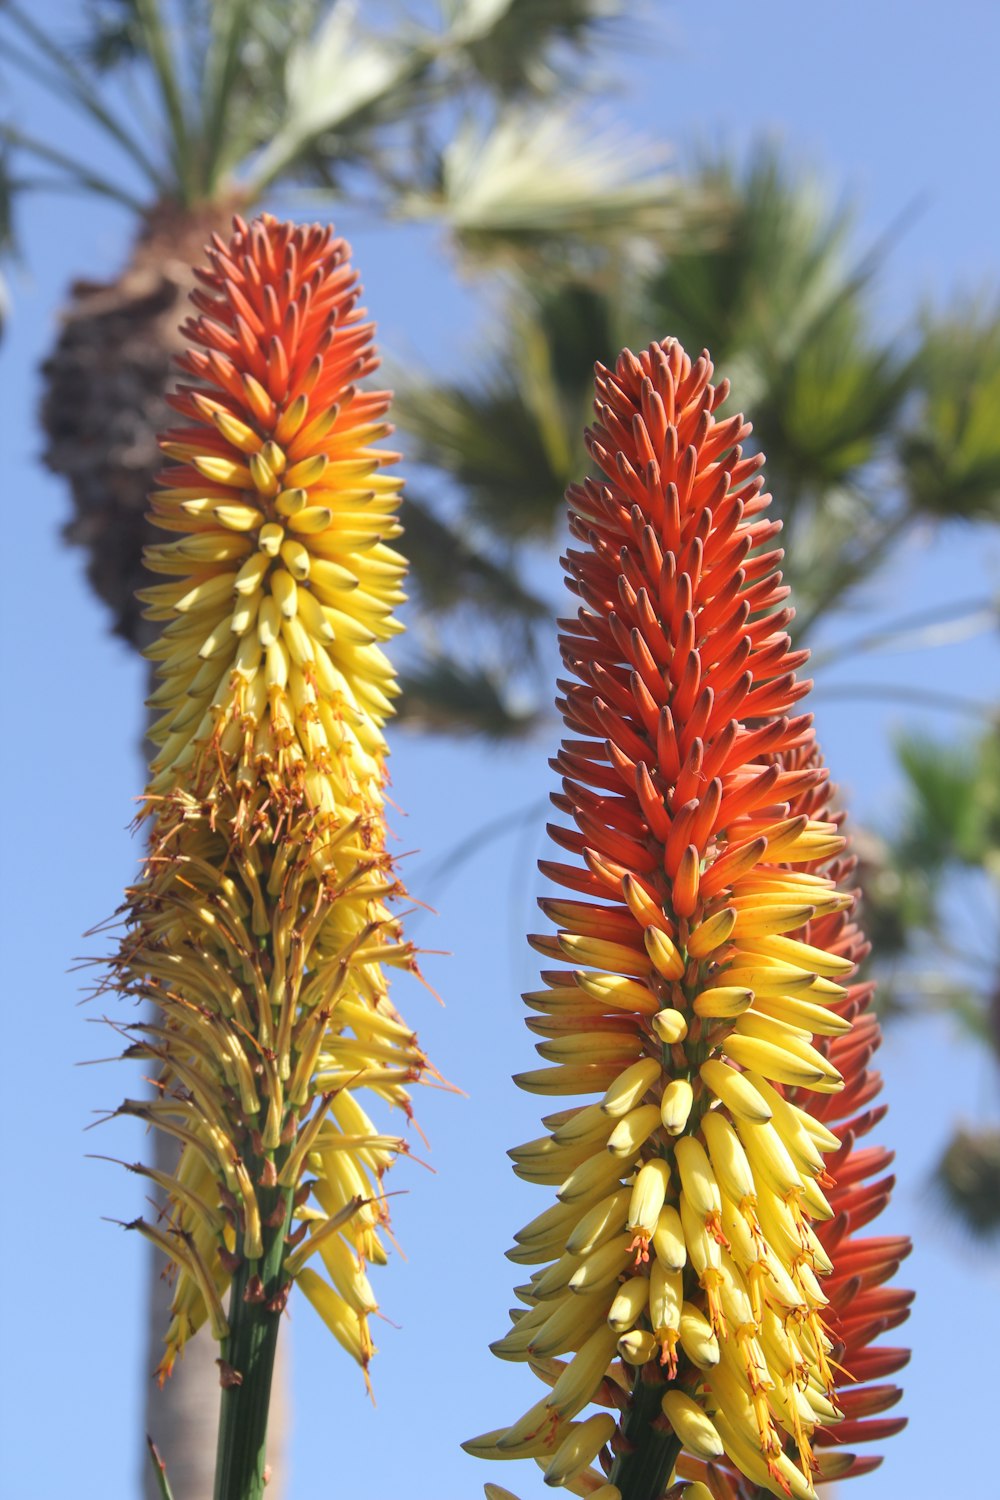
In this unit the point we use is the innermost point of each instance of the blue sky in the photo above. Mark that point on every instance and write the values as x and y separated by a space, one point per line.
893 104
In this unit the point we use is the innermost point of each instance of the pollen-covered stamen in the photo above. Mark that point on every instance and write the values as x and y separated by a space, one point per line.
706 1004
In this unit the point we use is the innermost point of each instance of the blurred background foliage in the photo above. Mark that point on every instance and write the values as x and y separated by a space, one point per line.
494 119
930 890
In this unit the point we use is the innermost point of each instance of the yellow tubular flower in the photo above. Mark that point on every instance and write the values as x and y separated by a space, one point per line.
700 1000
260 927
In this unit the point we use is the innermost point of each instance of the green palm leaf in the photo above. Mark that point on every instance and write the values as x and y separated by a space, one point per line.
452 568
967 1180
339 83
756 296
514 45
951 453
787 316
535 178
511 438
933 959
445 696
953 803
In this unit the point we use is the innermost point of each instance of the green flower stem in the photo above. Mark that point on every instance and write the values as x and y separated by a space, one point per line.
248 1360
160 1470
643 1471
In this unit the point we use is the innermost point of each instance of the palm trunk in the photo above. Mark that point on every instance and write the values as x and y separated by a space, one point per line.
104 403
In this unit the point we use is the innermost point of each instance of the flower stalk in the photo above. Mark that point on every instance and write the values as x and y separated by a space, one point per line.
159 1471
261 927
247 1362
700 1280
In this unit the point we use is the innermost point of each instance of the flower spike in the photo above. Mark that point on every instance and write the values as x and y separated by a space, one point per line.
702 1272
260 926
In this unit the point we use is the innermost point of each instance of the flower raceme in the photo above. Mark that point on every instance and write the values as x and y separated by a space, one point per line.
701 1274
259 926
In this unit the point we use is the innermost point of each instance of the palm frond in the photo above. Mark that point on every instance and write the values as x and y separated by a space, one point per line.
898 897
451 567
55 68
830 405
511 437
444 696
917 630
535 178
502 447
74 173
159 48
220 92
784 307
241 81
8 239
489 441
517 46
339 82
951 452
967 1180
953 802
113 34
779 269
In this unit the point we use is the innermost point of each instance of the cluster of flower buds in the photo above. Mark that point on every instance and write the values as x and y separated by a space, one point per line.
701 1275
259 927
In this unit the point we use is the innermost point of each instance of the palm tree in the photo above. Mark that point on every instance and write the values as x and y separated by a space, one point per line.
249 99
216 105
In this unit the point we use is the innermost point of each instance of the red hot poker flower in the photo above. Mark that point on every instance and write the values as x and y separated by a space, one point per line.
262 926
694 1269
